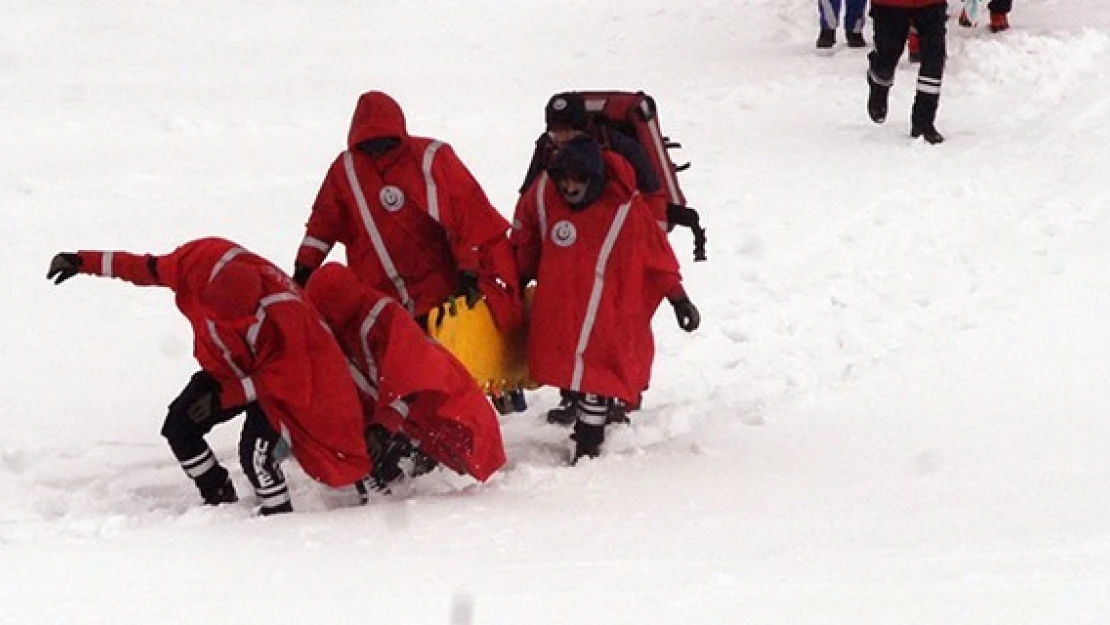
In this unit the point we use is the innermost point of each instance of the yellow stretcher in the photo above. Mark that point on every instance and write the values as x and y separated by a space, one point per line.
498 362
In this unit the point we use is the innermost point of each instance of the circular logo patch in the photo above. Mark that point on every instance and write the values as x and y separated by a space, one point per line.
564 234
559 104
391 197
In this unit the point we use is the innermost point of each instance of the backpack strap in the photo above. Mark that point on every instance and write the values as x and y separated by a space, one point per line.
688 218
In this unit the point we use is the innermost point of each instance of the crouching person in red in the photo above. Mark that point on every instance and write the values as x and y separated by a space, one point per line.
262 350
417 398
602 265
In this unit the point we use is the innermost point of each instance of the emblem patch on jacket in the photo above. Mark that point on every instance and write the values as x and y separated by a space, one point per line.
392 197
564 234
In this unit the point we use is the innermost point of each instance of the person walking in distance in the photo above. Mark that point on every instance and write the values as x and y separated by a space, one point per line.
892 20
828 14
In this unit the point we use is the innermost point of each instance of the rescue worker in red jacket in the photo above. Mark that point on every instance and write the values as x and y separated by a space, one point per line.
416 396
602 266
568 120
262 350
892 20
416 224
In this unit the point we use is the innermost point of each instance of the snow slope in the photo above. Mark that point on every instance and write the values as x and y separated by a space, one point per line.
892 413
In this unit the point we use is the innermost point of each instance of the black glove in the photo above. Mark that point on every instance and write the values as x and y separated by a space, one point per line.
687 314
64 266
204 407
301 274
468 287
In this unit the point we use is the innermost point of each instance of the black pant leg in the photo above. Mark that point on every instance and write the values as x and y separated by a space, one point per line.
1000 6
186 436
256 455
892 26
931 27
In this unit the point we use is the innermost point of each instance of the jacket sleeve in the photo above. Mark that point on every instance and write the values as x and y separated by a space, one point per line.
141 270
470 220
660 263
326 224
281 361
526 238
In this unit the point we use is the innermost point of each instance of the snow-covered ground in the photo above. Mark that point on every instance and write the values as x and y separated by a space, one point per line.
894 412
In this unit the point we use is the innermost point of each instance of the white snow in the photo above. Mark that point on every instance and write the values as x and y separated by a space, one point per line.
895 411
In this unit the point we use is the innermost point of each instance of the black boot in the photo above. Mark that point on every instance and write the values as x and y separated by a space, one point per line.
855 40
587 440
877 101
826 39
566 412
216 488
928 132
278 509
519 402
503 403
224 494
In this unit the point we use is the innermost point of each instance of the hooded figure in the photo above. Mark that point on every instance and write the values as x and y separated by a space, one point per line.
579 172
409 385
415 223
262 350
602 266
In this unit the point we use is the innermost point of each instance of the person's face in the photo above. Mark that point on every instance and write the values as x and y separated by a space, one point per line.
561 136
573 187
380 145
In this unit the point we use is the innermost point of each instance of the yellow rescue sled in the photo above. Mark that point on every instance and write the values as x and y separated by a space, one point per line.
498 362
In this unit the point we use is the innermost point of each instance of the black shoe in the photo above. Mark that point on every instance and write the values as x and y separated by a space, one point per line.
826 39
855 40
520 403
877 101
566 413
929 132
587 440
281 509
225 493
422 464
503 403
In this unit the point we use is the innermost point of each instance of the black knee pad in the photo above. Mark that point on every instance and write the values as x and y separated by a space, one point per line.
177 422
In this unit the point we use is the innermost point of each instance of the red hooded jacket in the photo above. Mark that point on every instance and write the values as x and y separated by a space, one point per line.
600 274
279 354
411 219
408 383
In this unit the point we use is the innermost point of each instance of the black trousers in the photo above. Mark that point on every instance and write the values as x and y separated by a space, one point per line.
1000 6
256 444
892 27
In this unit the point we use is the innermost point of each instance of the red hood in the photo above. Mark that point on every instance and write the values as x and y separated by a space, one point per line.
338 295
334 291
376 115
